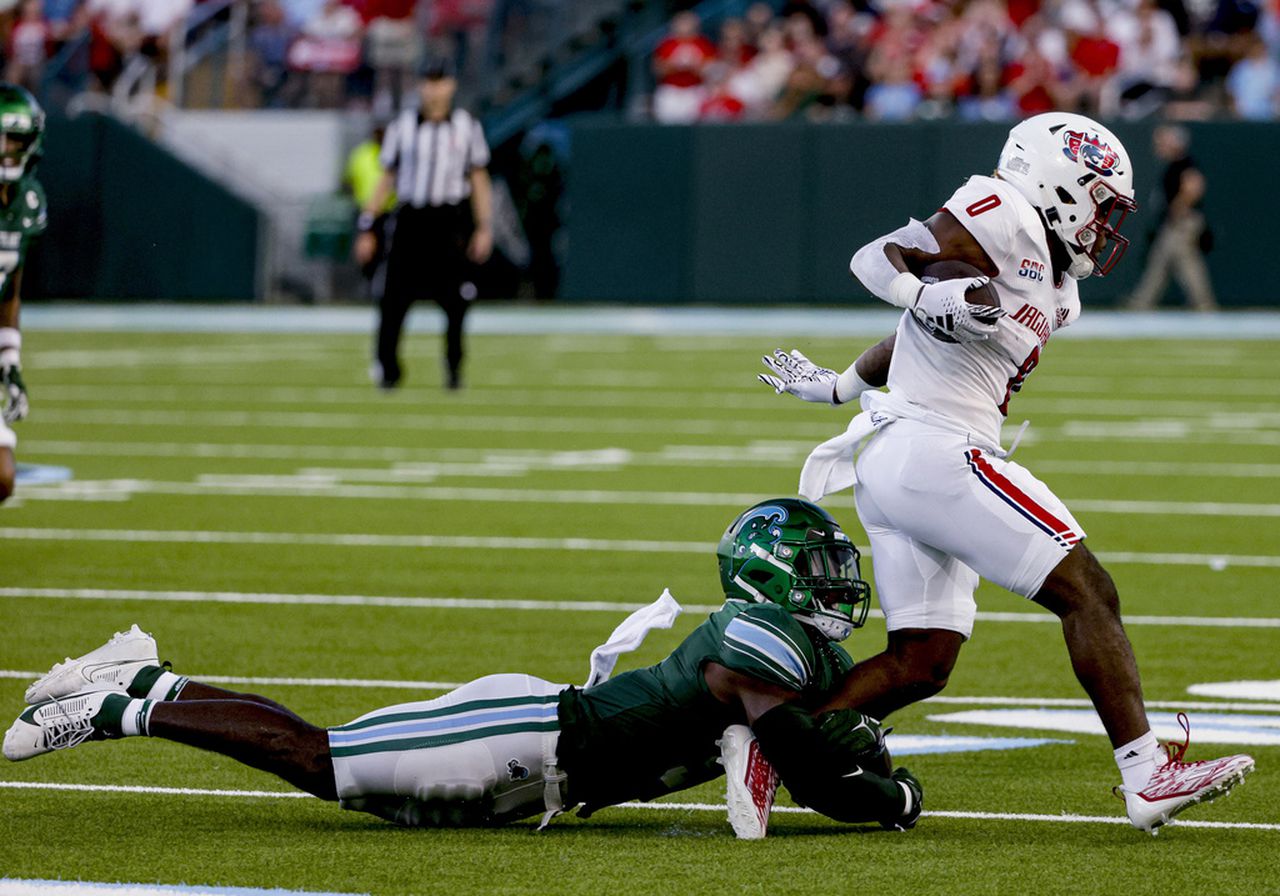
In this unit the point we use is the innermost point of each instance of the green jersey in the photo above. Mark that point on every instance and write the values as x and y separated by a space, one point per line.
21 219
620 736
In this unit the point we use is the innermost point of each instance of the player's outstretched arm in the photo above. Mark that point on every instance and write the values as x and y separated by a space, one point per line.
793 373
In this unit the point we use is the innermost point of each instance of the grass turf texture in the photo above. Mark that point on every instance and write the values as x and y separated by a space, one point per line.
252 433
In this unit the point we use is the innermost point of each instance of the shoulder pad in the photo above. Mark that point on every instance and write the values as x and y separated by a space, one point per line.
766 641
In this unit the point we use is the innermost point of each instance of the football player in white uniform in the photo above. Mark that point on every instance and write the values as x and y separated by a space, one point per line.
941 503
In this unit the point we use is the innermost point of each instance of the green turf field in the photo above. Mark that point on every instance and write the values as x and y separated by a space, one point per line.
227 487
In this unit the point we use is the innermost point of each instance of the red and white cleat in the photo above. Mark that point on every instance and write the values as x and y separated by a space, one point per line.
1178 785
752 783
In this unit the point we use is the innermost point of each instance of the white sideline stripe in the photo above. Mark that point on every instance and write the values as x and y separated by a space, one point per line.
659 807
573 606
1214 561
299 486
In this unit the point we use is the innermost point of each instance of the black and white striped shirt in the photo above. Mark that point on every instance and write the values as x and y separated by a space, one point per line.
432 160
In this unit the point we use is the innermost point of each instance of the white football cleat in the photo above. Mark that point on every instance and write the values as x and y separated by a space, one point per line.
57 725
1178 785
109 668
752 783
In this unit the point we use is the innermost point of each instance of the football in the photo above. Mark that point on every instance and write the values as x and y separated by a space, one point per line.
956 270
950 269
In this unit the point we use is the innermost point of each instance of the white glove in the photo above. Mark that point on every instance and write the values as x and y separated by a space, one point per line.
798 375
942 309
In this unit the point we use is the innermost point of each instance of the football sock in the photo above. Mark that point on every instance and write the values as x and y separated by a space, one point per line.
136 717
157 683
911 800
1137 761
121 716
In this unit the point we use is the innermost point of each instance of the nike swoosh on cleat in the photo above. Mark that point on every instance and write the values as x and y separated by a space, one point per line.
853 774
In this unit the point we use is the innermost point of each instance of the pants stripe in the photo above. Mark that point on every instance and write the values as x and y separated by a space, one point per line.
1020 501
419 743
470 706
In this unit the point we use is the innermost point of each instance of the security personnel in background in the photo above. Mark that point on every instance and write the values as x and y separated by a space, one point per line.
435 160
1183 236
360 178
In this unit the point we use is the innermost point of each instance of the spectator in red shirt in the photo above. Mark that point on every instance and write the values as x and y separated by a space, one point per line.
679 63
28 45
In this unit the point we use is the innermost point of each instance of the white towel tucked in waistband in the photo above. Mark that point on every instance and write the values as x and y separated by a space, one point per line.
829 467
630 634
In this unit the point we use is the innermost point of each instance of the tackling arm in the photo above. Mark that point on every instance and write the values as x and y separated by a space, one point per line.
821 764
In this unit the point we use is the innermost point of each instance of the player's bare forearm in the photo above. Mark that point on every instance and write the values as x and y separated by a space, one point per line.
873 364
481 199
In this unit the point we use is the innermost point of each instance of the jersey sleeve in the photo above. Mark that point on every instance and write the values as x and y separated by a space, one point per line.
478 147
389 156
982 208
766 642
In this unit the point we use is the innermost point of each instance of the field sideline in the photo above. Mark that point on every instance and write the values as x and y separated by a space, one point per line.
280 526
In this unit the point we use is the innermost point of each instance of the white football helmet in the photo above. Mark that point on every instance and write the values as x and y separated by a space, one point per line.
1078 175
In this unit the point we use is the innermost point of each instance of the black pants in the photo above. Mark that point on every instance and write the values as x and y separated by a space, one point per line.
427 259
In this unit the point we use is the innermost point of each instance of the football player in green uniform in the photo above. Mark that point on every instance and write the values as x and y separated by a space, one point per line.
509 746
22 217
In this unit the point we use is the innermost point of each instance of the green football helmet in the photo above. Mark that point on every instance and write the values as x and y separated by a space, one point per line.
21 132
792 553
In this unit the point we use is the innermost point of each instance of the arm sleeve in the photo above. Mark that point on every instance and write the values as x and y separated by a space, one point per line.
828 781
768 645
873 269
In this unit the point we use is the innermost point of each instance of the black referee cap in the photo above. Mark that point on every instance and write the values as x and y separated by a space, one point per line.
433 69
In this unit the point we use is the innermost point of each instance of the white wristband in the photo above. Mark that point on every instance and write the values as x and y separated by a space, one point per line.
849 385
905 289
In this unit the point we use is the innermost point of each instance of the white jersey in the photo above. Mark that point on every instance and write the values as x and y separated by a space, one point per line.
972 383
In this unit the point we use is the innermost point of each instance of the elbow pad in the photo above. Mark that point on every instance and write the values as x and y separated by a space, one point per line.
870 265
819 774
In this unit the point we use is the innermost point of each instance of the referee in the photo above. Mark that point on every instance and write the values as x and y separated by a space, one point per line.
434 159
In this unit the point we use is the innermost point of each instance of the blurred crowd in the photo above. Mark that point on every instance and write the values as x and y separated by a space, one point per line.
887 60
111 33
896 60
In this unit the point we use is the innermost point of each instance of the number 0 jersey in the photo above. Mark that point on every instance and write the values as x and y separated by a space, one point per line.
972 383
625 733
22 219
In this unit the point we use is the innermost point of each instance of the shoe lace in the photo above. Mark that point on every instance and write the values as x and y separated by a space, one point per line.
67 732
1174 751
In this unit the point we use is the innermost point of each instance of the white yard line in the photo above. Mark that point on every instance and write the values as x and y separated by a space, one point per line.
326 486
240 398
421 422
541 606
394 684
693 456
354 539
648 807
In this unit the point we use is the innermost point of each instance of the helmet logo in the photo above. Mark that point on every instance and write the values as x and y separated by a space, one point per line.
771 517
1089 150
